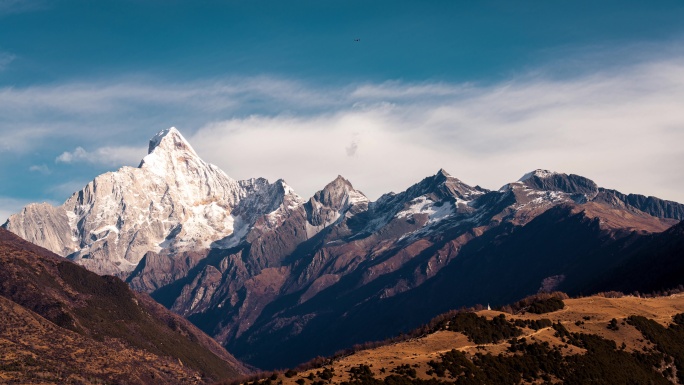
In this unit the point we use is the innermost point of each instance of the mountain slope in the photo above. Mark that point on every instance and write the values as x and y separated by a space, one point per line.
501 246
97 321
655 263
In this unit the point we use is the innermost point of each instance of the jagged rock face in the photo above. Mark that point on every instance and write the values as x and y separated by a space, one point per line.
326 206
173 202
258 267
44 225
545 180
653 206
254 274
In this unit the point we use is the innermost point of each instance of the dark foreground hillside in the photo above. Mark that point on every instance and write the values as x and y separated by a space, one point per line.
60 323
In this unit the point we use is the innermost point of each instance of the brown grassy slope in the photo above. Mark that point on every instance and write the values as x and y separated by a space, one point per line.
418 352
35 351
105 315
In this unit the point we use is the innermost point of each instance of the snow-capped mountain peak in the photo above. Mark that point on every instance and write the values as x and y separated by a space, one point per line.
169 151
173 202
447 186
336 200
339 193
539 173
169 138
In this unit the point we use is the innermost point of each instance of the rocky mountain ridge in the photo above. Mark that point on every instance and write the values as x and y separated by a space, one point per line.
173 201
260 268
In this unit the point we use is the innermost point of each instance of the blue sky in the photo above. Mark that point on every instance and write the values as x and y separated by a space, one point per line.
487 90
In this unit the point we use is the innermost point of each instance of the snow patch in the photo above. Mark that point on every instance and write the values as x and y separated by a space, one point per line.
538 173
198 297
102 229
424 205
159 137
355 197
288 190
240 230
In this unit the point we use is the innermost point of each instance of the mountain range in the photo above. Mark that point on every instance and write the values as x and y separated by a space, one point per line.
278 279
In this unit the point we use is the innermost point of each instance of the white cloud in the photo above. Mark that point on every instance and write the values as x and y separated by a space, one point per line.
130 94
119 111
40 168
112 156
622 129
394 90
69 157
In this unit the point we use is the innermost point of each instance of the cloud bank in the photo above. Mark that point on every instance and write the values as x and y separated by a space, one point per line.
111 156
90 114
622 128
9 206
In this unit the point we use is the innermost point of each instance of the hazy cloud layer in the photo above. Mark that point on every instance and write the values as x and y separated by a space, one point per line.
113 156
622 128
40 168
68 188
9 206
5 59
132 109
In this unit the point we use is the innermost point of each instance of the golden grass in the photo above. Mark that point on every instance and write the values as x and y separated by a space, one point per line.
419 351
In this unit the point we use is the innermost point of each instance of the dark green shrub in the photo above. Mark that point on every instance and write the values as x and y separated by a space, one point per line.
480 330
612 325
546 305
